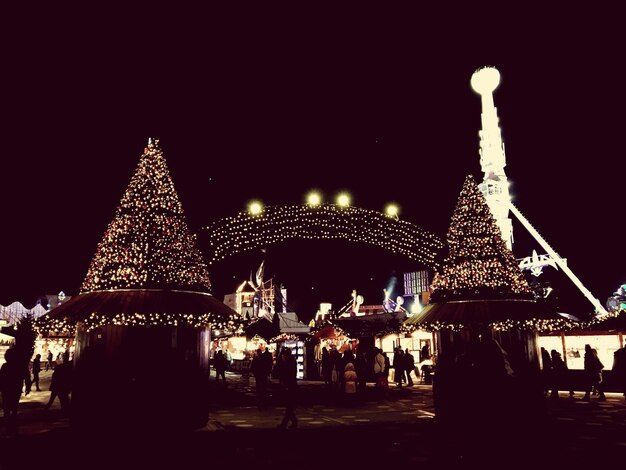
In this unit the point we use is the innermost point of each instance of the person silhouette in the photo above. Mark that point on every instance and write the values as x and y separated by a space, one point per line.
61 384
593 373
49 361
619 369
409 366
36 370
559 374
259 372
546 370
327 368
12 378
286 372
220 365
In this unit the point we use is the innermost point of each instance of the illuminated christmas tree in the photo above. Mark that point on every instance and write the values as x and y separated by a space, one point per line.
478 265
148 244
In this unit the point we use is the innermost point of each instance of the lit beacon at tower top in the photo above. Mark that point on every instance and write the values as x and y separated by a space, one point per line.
495 185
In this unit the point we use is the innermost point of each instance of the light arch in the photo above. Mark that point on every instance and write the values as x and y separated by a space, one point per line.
275 224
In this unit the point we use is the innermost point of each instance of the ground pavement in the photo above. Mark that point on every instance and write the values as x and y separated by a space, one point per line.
399 428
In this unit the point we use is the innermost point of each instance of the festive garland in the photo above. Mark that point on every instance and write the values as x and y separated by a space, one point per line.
68 327
283 337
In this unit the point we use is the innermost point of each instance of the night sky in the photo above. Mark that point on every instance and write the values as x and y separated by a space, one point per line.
256 104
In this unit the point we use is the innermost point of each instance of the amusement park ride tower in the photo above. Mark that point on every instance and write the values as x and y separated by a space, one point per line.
495 185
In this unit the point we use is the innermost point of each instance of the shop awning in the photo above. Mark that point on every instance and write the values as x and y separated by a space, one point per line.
263 328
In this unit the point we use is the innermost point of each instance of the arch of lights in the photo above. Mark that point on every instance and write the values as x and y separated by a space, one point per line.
275 224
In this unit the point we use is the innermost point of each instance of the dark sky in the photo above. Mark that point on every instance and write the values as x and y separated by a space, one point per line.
271 104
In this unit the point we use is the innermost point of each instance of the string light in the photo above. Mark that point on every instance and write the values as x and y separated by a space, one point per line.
68 327
431 326
283 337
233 235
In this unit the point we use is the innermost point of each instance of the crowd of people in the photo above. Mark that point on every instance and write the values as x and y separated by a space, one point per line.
557 377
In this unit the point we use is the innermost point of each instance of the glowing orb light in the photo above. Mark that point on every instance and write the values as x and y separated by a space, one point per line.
314 199
255 207
392 210
343 200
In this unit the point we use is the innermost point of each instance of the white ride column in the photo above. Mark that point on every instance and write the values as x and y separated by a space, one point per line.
495 185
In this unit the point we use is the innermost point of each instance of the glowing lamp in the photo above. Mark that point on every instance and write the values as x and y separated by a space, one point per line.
314 199
343 200
392 210
255 208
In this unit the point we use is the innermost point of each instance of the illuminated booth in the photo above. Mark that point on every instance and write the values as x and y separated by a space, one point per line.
604 333
486 322
143 316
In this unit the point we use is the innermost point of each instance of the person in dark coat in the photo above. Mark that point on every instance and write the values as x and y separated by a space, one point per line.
36 370
559 375
259 370
619 369
220 365
12 378
546 370
61 384
49 361
398 366
409 366
361 368
593 373
286 370
327 367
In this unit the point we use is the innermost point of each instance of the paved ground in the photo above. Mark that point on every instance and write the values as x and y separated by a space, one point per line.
399 429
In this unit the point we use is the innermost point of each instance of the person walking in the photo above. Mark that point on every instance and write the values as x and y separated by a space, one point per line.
546 371
379 371
349 383
49 361
327 367
619 369
361 368
12 378
286 371
398 367
36 370
559 375
220 365
409 366
593 373
61 384
258 369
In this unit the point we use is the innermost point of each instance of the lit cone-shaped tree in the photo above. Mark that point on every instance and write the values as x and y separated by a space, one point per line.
144 313
148 244
479 264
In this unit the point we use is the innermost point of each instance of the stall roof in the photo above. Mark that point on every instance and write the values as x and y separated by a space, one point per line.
370 325
140 301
